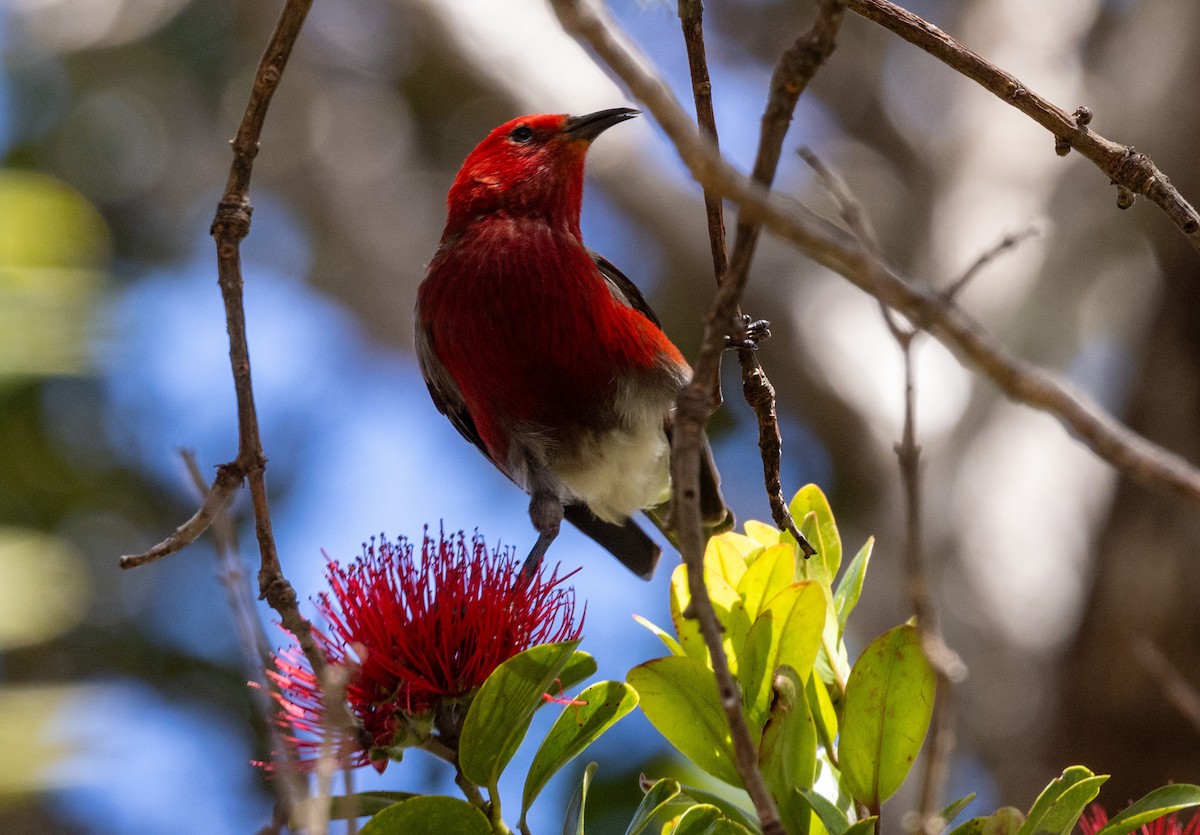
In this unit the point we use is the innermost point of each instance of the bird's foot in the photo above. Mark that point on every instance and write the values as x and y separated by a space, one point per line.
750 332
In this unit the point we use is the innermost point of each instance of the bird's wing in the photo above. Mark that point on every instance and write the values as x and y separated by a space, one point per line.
622 289
445 392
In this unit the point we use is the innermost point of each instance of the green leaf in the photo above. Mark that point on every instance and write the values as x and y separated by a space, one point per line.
788 753
723 826
773 571
753 673
720 562
1061 803
679 697
1007 820
889 700
866 826
833 818
501 711
577 727
573 825
850 585
578 667
663 635
428 815
824 566
762 533
974 826
1161 801
358 805
729 810
658 796
688 629
954 809
822 710
696 820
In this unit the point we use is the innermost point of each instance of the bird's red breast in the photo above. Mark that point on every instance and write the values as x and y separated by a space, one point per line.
513 305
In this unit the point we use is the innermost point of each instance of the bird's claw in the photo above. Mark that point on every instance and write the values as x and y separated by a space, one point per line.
750 333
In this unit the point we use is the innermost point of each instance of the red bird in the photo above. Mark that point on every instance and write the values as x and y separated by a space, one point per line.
543 354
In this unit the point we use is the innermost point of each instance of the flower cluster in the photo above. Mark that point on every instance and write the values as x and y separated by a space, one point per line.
420 636
1095 818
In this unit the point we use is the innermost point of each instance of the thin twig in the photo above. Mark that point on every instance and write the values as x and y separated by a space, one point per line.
1010 241
795 69
252 639
946 664
334 731
216 498
1133 172
837 250
230 225
759 394
1178 690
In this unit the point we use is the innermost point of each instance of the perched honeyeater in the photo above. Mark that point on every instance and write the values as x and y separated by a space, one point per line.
543 354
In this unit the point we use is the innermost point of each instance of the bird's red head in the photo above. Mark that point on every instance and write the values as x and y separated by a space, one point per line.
532 165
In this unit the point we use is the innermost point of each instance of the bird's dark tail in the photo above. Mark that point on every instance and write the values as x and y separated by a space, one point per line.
627 542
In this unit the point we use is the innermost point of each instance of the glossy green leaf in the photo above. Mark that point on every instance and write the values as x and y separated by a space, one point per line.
1061 803
787 755
679 697
762 533
724 826
824 565
501 711
725 558
955 808
428 815
799 615
727 604
688 629
573 824
889 700
850 585
579 666
663 635
974 826
833 818
753 672
1161 801
1007 820
822 710
657 797
729 810
577 727
363 804
866 826
696 820
773 571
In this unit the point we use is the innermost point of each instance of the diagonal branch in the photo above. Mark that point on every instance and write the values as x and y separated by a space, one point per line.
837 250
1129 169
230 225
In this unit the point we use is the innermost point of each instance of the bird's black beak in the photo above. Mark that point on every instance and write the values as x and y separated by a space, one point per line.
592 125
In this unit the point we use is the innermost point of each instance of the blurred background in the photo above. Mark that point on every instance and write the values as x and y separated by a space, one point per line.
122 695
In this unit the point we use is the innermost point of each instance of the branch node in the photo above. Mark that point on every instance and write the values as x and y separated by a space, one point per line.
1083 116
1125 197
1062 146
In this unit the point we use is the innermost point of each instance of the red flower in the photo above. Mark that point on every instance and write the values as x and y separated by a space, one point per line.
1095 818
422 636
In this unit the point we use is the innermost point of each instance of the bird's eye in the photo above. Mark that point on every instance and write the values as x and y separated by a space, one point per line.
521 133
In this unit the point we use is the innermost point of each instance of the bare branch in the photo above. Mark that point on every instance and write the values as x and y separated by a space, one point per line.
836 249
216 498
1010 241
1178 690
1133 172
688 445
